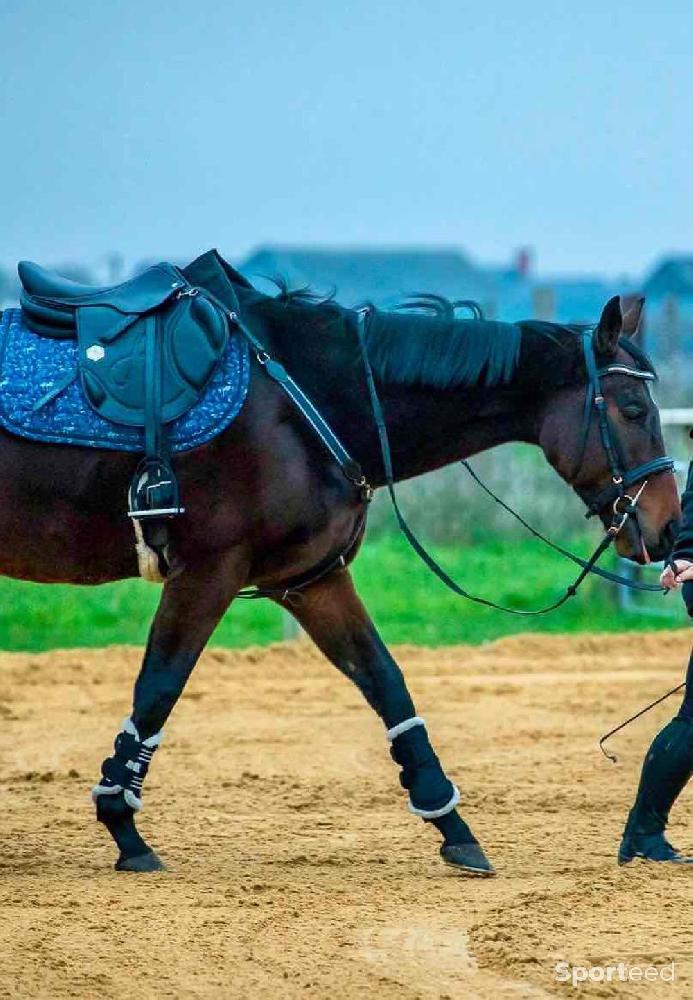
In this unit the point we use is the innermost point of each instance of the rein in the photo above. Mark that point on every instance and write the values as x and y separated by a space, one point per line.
623 505
605 574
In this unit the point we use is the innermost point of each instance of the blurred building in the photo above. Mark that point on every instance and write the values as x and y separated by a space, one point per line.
379 275
386 275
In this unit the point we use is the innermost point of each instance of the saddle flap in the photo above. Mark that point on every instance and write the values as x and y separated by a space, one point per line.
193 357
191 337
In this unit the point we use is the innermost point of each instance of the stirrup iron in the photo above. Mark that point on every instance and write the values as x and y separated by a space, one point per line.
154 491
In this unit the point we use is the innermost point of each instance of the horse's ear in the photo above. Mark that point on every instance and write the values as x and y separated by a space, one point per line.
631 309
620 318
609 328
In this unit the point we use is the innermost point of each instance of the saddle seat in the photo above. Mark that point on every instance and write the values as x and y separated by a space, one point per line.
37 280
147 348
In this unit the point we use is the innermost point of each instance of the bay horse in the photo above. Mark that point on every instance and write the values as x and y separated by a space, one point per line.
266 503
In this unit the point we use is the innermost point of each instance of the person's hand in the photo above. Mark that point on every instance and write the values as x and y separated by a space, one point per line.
684 571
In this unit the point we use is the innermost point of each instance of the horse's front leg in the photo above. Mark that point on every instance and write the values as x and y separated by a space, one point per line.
192 603
334 617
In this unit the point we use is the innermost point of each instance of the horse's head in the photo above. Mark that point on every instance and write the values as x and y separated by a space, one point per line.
603 436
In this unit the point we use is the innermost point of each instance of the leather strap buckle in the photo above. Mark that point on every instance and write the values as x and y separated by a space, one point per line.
621 514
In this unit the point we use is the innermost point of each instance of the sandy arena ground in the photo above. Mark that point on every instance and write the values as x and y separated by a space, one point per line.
295 869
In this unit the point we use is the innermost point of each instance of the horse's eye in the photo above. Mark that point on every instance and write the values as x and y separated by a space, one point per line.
634 411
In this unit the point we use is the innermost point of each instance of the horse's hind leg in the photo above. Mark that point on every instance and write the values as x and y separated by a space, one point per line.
334 617
192 604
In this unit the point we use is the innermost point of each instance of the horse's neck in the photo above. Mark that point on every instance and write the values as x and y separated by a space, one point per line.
428 429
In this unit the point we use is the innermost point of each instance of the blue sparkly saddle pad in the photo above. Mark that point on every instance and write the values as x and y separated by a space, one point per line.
32 367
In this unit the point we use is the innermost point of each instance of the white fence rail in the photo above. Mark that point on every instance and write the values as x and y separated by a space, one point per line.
676 417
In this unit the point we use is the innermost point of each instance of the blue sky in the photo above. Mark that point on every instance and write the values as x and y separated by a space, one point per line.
160 129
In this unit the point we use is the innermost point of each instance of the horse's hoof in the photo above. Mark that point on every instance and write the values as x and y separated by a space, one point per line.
469 859
149 862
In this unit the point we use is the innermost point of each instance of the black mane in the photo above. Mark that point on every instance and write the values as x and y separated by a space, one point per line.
440 351
422 341
304 295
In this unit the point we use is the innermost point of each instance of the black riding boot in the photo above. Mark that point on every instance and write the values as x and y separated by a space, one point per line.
667 767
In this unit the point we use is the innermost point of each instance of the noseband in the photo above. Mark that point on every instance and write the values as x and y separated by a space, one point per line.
623 505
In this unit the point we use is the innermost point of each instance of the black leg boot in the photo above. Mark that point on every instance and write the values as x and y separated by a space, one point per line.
433 797
118 797
667 767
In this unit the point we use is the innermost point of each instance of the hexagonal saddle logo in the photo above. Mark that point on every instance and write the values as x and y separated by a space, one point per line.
95 352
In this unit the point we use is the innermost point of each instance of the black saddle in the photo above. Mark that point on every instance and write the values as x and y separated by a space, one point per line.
147 349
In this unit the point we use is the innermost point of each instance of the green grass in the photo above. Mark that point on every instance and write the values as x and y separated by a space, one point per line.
407 603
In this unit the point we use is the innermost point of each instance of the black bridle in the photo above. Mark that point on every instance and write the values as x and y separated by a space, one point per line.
623 505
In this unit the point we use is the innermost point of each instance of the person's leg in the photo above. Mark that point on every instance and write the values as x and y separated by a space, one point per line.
667 767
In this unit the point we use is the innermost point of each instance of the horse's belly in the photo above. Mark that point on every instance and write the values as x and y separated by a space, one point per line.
62 547
54 568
